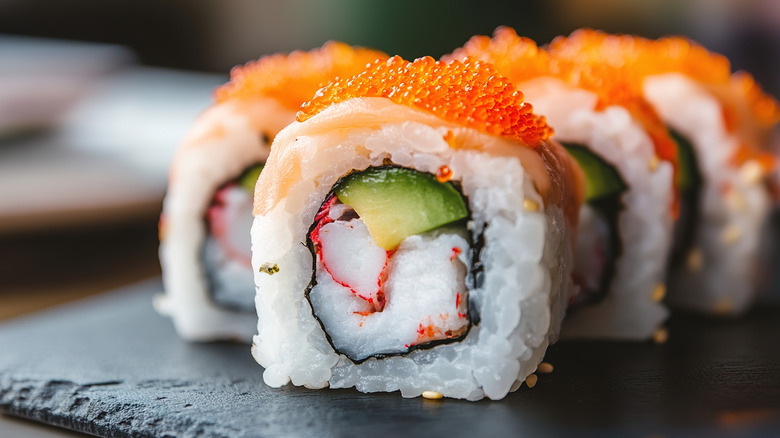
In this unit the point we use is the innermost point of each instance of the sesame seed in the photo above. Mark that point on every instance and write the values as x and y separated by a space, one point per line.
730 234
695 260
751 172
661 336
544 368
531 380
652 165
432 395
269 269
530 205
659 292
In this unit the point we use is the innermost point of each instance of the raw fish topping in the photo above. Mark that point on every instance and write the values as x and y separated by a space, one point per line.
470 93
293 79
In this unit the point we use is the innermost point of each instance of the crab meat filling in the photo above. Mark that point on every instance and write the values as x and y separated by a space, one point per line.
227 249
594 256
374 302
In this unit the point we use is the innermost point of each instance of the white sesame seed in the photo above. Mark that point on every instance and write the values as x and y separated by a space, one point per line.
531 380
652 165
659 292
432 395
530 204
544 368
751 172
661 336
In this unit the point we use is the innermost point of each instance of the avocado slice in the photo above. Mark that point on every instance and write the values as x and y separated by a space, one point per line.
603 189
396 202
687 177
248 179
688 180
601 178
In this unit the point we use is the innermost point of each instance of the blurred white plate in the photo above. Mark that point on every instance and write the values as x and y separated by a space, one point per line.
108 159
41 78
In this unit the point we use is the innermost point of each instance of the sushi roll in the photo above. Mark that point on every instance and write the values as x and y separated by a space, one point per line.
625 225
413 232
723 123
207 212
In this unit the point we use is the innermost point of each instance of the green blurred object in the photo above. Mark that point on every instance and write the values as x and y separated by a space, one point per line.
248 179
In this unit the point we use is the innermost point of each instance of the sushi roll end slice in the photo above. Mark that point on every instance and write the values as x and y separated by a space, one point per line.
413 233
205 247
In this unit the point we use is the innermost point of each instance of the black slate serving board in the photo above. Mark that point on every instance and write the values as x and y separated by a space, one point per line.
110 366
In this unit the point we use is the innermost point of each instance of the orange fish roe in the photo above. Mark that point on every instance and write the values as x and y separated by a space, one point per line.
469 93
583 60
640 57
293 79
606 65
765 109
677 54
588 59
517 58
643 57
443 174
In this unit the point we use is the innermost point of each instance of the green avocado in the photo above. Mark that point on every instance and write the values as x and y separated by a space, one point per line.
687 176
248 179
395 202
601 178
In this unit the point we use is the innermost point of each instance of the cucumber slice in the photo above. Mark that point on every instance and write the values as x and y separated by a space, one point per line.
248 179
601 178
395 202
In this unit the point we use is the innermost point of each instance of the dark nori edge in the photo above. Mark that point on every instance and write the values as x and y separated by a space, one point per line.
690 208
473 277
609 207
208 275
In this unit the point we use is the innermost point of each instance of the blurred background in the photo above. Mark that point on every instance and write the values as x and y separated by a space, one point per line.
95 95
